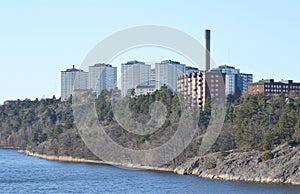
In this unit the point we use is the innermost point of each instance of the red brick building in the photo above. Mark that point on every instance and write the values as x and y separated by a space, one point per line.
214 85
271 88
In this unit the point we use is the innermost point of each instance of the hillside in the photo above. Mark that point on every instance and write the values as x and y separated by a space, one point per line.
254 125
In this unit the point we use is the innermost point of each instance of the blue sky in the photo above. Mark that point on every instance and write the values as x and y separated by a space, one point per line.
40 38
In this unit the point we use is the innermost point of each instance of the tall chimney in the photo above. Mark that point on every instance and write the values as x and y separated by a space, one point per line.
207 50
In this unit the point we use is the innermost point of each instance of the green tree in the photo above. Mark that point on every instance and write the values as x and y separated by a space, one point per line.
296 134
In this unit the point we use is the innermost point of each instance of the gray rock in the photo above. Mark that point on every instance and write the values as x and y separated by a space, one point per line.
248 166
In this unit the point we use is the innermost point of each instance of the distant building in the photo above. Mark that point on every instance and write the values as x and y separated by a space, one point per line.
197 88
235 81
152 77
73 79
8 102
134 73
243 80
272 88
231 79
144 90
167 73
214 85
217 83
189 69
102 77
190 86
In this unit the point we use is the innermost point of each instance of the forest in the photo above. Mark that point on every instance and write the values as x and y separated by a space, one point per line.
252 122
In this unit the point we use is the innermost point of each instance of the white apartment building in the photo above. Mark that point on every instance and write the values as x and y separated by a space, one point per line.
167 73
152 77
73 79
102 77
134 73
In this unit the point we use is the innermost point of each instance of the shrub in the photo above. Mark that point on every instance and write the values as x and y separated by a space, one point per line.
211 165
267 156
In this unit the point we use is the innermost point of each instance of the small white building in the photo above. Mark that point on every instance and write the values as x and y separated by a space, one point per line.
144 90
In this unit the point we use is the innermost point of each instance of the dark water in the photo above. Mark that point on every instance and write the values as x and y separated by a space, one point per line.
24 174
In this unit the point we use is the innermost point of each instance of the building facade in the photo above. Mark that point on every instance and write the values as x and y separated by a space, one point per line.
231 79
235 82
167 72
9 102
134 73
144 90
197 88
73 79
243 80
214 85
272 88
190 86
102 77
152 78
189 69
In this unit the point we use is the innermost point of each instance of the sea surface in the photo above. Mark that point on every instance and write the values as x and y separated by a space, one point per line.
20 173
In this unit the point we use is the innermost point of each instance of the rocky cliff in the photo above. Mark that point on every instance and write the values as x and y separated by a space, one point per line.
281 165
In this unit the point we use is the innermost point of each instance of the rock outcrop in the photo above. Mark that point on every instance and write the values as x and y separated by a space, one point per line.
282 167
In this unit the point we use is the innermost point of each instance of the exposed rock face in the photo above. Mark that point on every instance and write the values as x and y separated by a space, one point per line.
248 166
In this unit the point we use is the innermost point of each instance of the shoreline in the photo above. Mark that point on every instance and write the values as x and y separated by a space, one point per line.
12 147
239 178
88 161
206 175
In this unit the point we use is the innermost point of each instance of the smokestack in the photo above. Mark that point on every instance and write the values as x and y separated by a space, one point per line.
207 50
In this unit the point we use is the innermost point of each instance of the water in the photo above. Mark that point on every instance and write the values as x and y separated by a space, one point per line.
20 173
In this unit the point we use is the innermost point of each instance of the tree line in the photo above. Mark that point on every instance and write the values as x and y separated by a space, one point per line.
256 121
